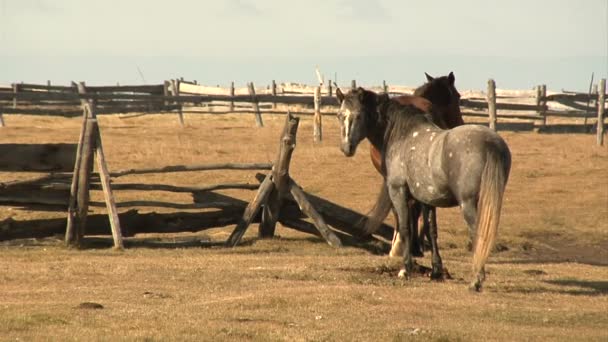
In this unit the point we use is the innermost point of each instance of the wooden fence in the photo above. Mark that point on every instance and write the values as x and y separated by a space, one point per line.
501 109
279 197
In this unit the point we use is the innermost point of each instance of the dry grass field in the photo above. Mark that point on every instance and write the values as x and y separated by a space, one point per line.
547 280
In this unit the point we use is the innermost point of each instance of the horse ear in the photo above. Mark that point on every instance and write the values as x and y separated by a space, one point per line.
451 78
429 78
361 93
339 95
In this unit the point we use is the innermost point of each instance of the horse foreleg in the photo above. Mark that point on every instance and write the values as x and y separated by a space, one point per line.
415 210
425 231
437 272
399 197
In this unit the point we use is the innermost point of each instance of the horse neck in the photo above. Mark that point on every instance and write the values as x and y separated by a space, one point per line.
376 129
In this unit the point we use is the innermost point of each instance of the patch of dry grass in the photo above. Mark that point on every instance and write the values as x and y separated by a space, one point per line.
549 282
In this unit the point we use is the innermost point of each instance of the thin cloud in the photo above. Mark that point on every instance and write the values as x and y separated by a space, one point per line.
29 7
243 7
367 10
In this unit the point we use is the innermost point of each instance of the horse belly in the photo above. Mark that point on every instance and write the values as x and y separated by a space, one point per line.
426 187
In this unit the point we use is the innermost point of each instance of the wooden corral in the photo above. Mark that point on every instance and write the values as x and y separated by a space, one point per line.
499 108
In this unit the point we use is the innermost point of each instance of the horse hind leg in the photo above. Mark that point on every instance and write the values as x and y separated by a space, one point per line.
469 211
399 197
431 215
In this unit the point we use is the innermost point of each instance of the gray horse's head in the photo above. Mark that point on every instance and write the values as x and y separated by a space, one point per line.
357 108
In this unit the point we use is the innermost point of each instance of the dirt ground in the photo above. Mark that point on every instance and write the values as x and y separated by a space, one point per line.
547 280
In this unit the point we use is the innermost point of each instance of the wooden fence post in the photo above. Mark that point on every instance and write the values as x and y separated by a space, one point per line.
231 108
384 86
166 92
175 92
491 97
543 103
273 91
353 84
15 90
329 90
601 97
318 126
254 103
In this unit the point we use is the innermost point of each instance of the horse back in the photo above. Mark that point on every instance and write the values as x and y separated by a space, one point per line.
464 153
416 101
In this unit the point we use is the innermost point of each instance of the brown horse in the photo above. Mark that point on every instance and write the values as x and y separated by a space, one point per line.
439 98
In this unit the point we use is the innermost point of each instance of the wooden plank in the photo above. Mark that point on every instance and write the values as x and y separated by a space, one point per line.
600 112
84 175
308 209
196 99
251 211
467 103
187 168
254 103
134 223
492 104
131 186
71 215
104 177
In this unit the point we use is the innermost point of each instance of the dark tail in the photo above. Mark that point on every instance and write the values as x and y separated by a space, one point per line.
493 182
379 212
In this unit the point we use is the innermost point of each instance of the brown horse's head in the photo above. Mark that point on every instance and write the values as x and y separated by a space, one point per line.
445 98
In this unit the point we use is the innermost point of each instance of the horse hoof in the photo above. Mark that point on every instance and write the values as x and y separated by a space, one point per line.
437 275
417 254
475 286
403 274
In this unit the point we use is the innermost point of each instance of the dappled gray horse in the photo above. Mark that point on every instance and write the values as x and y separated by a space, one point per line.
466 166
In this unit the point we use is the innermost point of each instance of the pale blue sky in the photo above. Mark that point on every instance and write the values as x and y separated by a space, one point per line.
518 43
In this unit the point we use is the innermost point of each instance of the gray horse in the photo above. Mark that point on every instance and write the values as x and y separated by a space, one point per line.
467 166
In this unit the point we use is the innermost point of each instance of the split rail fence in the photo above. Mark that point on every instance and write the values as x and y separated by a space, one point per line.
510 107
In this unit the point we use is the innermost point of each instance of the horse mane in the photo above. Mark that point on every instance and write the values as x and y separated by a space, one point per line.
399 119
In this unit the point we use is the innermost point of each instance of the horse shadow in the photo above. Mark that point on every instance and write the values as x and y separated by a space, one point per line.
584 287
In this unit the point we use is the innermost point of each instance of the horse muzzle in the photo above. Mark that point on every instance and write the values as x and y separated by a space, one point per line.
348 149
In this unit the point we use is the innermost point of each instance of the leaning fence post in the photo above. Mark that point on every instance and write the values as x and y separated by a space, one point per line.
492 104
601 97
254 103
318 127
